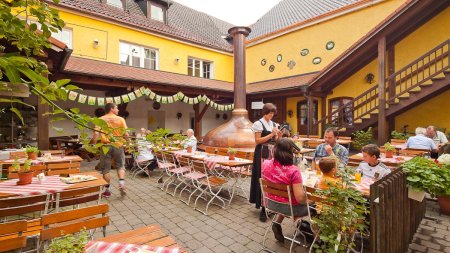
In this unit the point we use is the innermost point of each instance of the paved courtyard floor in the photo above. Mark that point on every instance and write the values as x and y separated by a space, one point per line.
233 229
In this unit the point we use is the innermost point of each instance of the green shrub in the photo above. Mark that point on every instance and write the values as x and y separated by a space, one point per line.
399 136
362 138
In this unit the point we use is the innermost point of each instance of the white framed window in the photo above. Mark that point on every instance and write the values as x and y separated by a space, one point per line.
157 13
138 56
200 68
115 3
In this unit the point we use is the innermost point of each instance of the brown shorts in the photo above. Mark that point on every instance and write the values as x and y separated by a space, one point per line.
116 154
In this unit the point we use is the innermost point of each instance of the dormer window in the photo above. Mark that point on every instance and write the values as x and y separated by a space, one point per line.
157 13
115 3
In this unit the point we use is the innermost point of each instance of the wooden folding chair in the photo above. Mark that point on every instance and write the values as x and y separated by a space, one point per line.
63 168
241 154
36 169
222 151
285 191
76 197
210 185
11 235
174 173
413 152
397 141
210 150
28 209
313 143
17 155
73 221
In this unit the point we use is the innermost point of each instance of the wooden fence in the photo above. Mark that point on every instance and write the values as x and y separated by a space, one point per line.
394 217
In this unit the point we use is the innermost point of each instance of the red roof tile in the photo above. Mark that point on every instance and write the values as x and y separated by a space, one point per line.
116 71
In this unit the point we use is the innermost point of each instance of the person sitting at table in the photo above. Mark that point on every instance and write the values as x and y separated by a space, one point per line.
328 168
420 141
191 141
438 137
371 167
281 170
331 147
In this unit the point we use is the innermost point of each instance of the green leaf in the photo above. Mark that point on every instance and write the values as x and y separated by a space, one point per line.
62 82
18 114
105 149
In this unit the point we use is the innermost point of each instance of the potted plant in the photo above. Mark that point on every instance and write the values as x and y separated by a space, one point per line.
25 174
231 153
389 150
442 190
69 243
421 177
31 152
399 136
343 213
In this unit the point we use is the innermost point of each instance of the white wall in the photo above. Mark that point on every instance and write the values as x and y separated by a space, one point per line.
138 116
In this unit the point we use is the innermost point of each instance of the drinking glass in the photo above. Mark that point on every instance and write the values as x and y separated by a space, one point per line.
358 177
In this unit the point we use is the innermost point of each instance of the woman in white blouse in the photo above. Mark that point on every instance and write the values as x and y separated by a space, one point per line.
266 132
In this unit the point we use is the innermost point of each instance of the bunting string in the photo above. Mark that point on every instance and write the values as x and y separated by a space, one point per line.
146 92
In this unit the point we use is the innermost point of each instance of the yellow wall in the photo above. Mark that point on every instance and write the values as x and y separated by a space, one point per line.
413 46
432 112
425 38
85 30
343 31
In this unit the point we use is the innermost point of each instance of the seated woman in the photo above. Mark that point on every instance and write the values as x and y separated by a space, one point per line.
328 168
371 167
281 170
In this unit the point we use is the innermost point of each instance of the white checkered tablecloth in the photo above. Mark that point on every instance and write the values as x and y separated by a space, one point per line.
115 247
52 184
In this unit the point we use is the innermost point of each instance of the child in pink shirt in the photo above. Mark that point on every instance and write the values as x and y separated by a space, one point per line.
281 170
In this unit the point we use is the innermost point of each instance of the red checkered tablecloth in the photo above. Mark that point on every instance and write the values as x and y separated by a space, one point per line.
52 184
115 247
364 186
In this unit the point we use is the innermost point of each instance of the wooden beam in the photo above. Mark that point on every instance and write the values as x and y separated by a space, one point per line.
382 91
43 125
310 106
391 70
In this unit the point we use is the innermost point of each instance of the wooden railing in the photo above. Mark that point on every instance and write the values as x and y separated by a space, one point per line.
357 108
394 218
410 77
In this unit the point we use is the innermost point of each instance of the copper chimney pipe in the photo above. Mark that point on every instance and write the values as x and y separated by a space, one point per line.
237 131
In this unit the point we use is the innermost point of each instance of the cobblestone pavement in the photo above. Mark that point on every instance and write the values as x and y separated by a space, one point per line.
233 229
433 234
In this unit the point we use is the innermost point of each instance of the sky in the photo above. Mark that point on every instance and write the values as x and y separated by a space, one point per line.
236 12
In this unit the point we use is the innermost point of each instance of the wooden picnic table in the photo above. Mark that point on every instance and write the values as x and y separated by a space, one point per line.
98 182
151 235
44 160
342 142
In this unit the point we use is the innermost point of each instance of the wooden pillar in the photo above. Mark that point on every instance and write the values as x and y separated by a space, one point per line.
323 114
43 125
198 116
310 105
382 91
391 83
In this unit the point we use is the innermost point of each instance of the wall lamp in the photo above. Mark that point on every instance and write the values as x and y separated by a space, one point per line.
177 60
95 43
290 113
369 78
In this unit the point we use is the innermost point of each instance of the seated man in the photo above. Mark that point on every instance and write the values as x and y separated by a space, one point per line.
420 141
438 137
371 167
191 141
331 147
328 167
